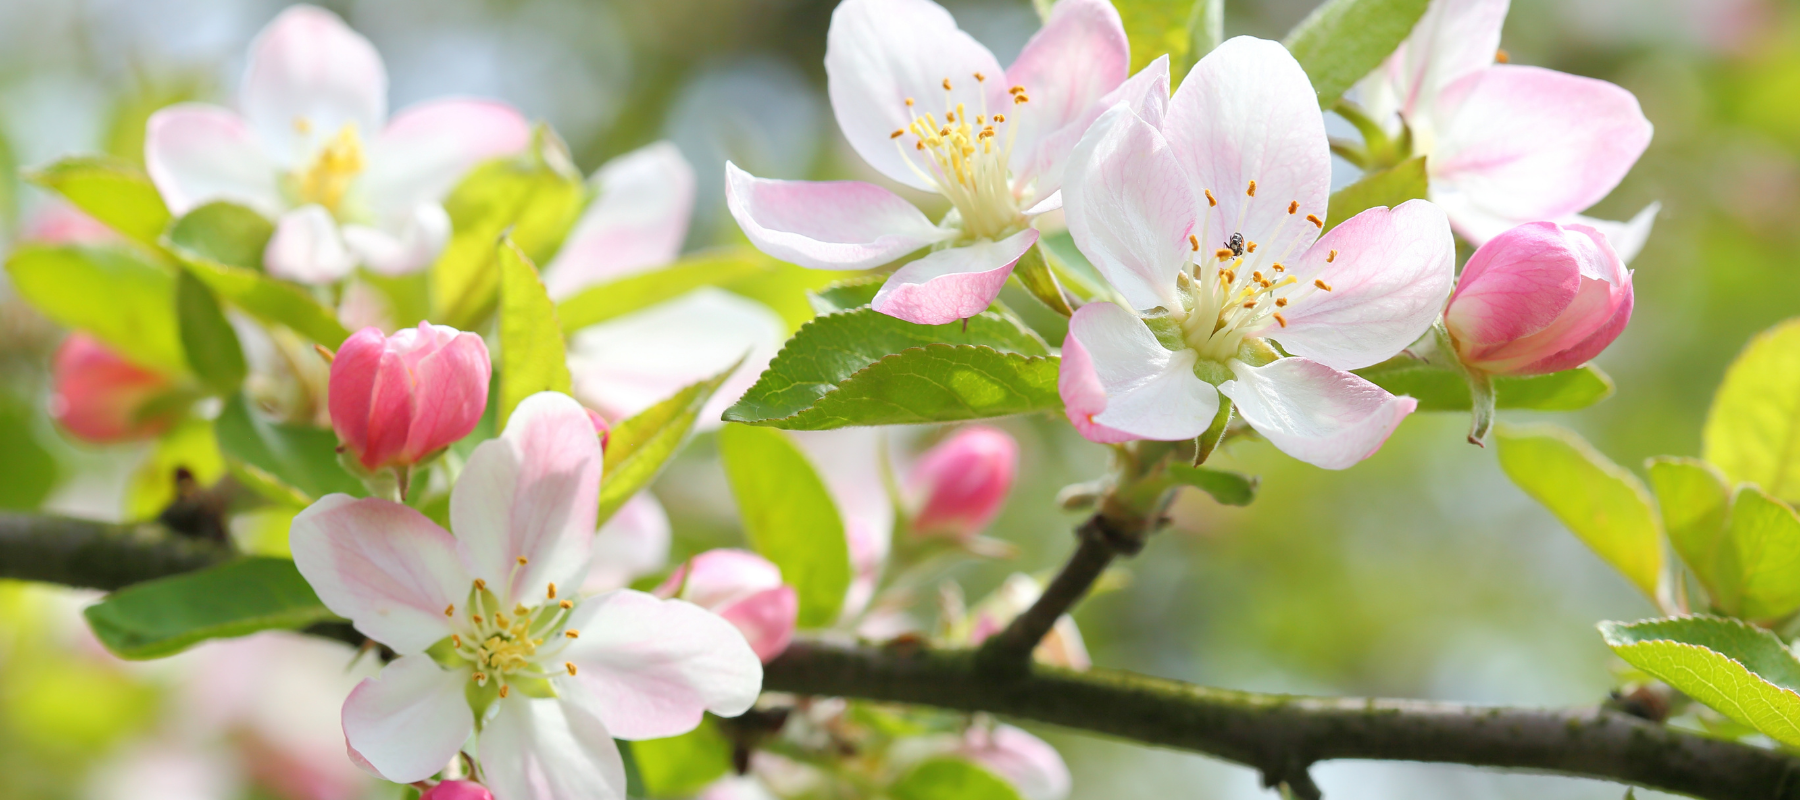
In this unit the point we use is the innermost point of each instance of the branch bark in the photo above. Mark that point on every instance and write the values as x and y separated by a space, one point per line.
97 555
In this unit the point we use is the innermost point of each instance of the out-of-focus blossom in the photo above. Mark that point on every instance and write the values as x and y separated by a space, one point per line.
457 790
636 222
314 149
1505 143
1208 225
1030 764
482 631
100 397
960 485
396 400
58 222
929 107
1062 647
632 544
746 590
1539 298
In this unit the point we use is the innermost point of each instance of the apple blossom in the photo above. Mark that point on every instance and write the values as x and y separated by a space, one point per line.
744 588
1506 143
1208 226
1539 298
314 149
397 400
960 484
636 222
904 81
1030 764
100 397
632 544
1062 646
457 790
488 645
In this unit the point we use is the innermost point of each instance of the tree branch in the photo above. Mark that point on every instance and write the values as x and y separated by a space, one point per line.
1009 651
97 555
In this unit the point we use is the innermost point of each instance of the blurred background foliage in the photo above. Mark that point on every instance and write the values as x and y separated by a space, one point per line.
1420 573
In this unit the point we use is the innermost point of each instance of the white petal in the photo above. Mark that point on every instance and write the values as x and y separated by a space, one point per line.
636 222
827 224
551 750
1078 57
1130 208
418 240
1314 413
382 565
1146 94
196 153
655 666
309 76
1149 392
408 722
307 247
1627 238
952 284
1453 39
634 543
427 149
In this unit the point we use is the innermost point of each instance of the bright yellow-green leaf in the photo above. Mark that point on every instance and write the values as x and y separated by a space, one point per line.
1741 671
951 779
638 447
605 301
1342 41
681 766
190 445
1753 430
1695 502
532 356
222 244
111 190
1601 502
1160 27
1758 569
1389 187
212 348
110 292
789 517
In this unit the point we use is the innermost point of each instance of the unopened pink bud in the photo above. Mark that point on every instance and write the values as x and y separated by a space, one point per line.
959 485
100 397
601 426
397 399
457 790
746 590
1539 298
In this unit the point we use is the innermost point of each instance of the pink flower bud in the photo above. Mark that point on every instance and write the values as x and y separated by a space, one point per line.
1539 298
746 590
398 399
601 426
457 790
100 397
959 486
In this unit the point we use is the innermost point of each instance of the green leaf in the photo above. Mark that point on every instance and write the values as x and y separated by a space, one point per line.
1753 430
1156 28
951 779
31 469
1602 503
1033 271
1758 570
1342 41
1206 31
605 301
301 458
861 367
681 766
789 517
1440 389
1229 488
532 356
168 615
222 245
534 198
1739 670
111 190
846 295
109 292
222 233
1695 501
638 447
211 345
1388 188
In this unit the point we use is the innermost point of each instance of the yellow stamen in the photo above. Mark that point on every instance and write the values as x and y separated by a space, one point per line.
1322 285
1500 56
1280 320
1251 247
1253 188
946 84
480 584
897 134
450 610
1331 256
1223 253
504 690
1314 219
552 591
523 561
1292 207
980 77
572 633
565 605
1194 242
570 665
1210 201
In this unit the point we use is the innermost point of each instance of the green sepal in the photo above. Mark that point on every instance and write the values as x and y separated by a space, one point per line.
1257 353
481 697
444 653
1167 330
1034 274
1208 441
540 688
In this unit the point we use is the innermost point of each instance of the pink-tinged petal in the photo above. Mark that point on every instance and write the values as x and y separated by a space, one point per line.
827 224
633 543
196 153
1148 392
408 722
1130 208
1078 57
960 485
307 248
309 76
880 53
636 223
410 244
766 619
1317 414
426 149
1030 764
530 495
1248 113
1524 143
738 787
551 750
1515 285
721 576
384 566
451 387
1146 94
391 408
353 379
1627 238
655 666
626 365
102 398
1078 383
1583 351
1454 38
1391 274
952 284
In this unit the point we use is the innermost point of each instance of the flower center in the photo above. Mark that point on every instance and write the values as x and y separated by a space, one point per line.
1239 289
966 159
327 178
509 648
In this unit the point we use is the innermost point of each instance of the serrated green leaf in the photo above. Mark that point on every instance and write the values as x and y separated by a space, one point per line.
168 615
846 295
222 244
951 779
601 302
1229 488
681 766
301 458
532 354
1342 41
1695 501
1440 389
789 517
212 348
1752 432
534 198
1388 188
1739 670
109 292
1758 570
111 190
1605 505
223 233
638 447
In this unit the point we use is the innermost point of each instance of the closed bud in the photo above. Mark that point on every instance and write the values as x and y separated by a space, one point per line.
746 590
102 398
457 790
1539 298
958 487
396 400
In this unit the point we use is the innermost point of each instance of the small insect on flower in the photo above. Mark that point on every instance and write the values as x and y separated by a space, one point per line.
1236 244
